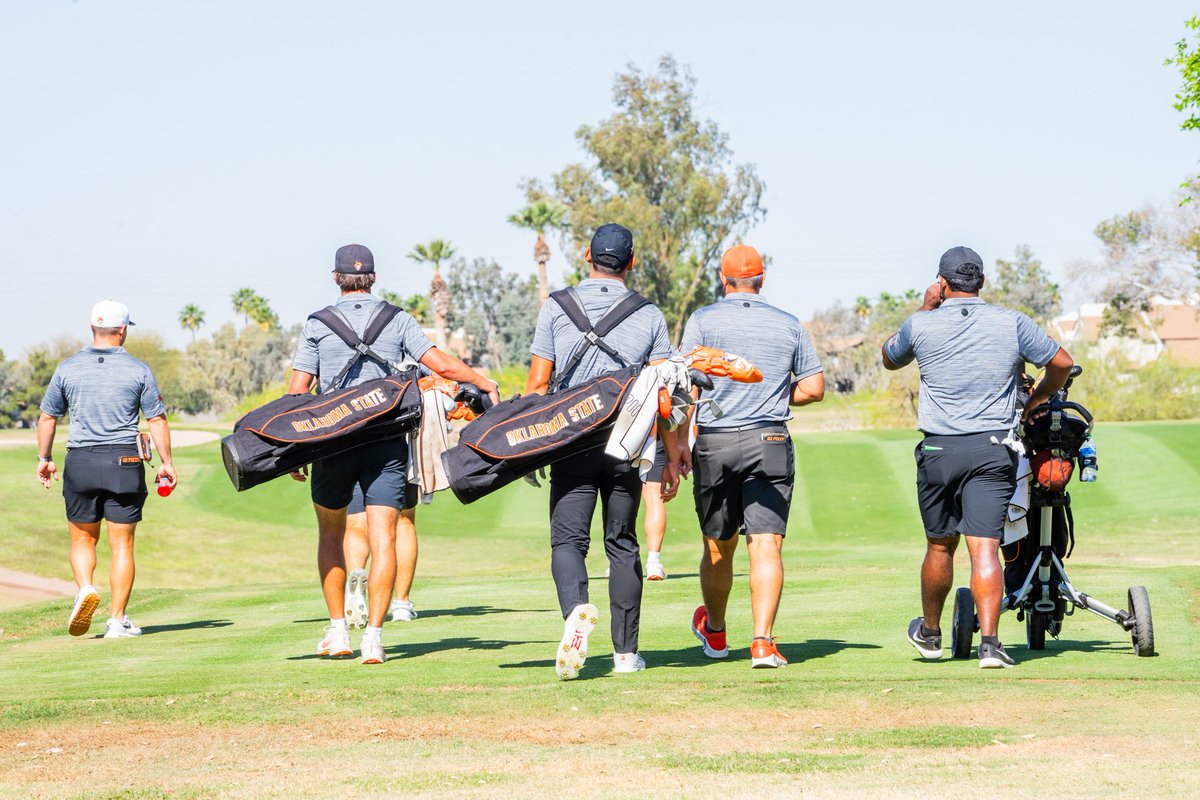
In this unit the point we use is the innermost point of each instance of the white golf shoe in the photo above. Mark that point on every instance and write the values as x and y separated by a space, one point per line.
403 611
121 629
372 650
356 599
336 643
572 650
628 662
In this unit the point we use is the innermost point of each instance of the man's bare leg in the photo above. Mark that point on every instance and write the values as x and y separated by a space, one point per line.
381 581
937 578
121 570
406 552
987 582
766 580
84 536
654 526
716 578
355 546
331 561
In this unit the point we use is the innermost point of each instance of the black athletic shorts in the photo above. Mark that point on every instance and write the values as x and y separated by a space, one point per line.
379 470
742 481
359 506
964 484
104 482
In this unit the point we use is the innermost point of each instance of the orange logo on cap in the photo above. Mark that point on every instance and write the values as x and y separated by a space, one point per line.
357 266
99 319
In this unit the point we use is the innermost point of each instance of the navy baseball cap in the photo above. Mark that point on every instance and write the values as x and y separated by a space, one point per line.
353 259
960 262
612 246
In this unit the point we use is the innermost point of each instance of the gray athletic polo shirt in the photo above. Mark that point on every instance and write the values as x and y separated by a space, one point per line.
640 338
745 324
102 389
971 356
322 353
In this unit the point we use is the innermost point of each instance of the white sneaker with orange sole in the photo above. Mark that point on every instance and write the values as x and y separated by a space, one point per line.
86 603
336 643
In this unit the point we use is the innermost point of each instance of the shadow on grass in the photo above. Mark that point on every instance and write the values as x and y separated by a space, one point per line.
199 624
1058 646
414 649
463 611
812 649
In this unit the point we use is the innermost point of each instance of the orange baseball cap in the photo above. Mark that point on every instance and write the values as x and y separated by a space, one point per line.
741 261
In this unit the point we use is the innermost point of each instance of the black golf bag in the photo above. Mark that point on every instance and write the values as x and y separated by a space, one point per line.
522 435
298 429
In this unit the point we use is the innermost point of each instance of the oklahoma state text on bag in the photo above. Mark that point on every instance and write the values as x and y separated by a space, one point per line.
527 433
298 429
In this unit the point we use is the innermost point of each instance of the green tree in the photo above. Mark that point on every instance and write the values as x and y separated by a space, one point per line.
437 251
1024 285
540 216
417 305
658 168
243 301
191 317
1187 98
261 312
497 311
862 306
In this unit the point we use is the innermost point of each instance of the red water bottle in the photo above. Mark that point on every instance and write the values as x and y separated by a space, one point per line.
165 487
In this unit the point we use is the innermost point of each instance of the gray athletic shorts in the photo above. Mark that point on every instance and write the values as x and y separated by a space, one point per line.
358 505
742 481
964 484
660 461
379 470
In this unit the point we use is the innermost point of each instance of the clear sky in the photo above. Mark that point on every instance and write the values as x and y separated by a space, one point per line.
169 153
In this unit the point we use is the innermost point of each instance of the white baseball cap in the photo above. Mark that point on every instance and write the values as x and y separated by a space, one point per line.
110 314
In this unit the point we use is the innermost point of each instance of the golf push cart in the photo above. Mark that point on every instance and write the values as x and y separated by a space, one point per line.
1035 580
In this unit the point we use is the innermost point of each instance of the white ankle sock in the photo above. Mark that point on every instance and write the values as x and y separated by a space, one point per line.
373 633
337 624
651 557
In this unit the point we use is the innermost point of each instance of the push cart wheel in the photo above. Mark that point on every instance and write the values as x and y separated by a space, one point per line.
1143 624
1035 629
962 628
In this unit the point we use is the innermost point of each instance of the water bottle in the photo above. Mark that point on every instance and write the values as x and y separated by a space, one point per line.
1087 455
165 487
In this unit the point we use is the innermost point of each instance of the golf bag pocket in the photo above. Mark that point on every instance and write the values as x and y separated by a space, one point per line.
527 433
298 429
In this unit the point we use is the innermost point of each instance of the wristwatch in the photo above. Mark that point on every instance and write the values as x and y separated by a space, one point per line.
44 459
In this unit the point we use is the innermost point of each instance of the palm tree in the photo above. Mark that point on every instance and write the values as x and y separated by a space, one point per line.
539 216
911 296
243 301
862 307
260 311
191 317
888 301
435 253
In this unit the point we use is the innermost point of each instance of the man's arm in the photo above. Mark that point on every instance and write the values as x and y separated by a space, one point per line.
540 372
450 367
47 472
301 382
160 432
808 390
1058 369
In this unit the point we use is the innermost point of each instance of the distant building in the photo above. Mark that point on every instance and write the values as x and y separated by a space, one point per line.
1174 329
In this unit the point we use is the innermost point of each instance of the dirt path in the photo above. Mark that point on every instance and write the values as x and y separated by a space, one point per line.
18 588
178 438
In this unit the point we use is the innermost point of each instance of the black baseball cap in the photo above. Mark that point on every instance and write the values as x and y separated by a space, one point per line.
960 262
353 259
612 246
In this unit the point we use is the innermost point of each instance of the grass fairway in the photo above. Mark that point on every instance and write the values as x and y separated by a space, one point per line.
222 697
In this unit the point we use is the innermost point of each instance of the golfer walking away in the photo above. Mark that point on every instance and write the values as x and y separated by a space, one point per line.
639 338
971 356
743 463
326 360
103 388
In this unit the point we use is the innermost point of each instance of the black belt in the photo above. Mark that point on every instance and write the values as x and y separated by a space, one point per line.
753 426
103 447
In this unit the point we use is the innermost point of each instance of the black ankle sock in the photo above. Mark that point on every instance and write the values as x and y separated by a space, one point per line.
710 630
992 640
928 632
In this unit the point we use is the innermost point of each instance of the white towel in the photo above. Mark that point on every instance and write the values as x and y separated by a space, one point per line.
429 442
1016 523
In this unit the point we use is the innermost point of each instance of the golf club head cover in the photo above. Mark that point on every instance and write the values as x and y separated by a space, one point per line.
711 361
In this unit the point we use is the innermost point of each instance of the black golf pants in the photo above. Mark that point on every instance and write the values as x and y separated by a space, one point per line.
574 486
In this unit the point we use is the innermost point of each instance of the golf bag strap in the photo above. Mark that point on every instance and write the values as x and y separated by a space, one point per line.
341 328
1070 530
568 300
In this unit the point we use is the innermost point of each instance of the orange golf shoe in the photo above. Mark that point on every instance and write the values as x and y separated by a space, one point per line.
765 655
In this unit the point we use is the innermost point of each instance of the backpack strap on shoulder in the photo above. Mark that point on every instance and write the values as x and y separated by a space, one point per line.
593 335
340 326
